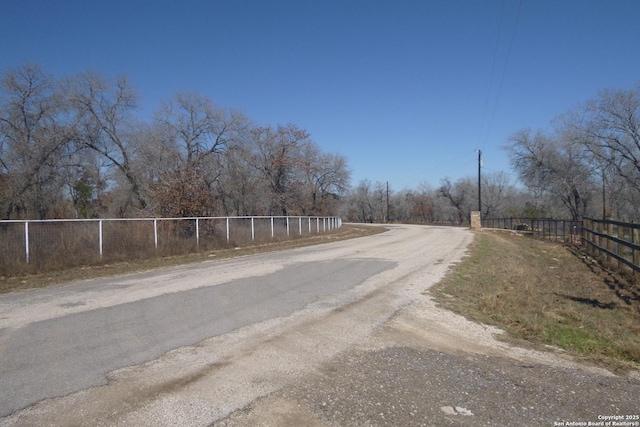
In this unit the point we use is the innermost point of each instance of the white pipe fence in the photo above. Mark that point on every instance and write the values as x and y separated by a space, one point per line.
123 238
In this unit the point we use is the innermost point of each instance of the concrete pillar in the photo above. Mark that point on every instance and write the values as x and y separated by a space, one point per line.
475 220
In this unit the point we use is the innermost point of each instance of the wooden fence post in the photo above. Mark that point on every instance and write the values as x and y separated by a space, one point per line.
622 249
600 229
591 237
609 242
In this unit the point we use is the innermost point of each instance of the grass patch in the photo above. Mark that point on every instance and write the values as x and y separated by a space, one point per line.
544 293
347 231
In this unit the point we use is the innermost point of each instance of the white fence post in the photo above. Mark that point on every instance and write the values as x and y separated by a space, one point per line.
155 232
328 224
197 233
26 239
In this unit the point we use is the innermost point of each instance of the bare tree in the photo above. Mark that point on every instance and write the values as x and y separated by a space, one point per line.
241 187
277 157
325 177
34 141
104 113
607 129
462 195
368 202
612 131
423 206
496 193
361 204
199 127
413 206
74 147
200 133
86 184
554 166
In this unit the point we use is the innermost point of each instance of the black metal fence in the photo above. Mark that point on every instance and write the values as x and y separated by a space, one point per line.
618 242
566 231
614 242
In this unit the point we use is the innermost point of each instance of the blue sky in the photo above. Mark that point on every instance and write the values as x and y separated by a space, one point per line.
406 90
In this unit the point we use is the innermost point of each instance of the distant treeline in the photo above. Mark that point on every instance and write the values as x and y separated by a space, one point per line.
587 165
74 147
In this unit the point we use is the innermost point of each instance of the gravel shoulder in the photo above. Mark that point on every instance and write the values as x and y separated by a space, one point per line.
429 367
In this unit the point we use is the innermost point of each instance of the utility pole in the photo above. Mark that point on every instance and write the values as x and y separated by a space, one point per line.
479 181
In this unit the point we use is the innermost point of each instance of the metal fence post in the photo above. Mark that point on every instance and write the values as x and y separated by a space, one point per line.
100 237
287 226
271 226
227 229
26 239
253 234
197 233
155 233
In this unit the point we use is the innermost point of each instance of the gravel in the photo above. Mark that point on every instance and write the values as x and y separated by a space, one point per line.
403 386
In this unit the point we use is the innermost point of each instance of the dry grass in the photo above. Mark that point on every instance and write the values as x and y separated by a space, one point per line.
63 245
546 294
347 231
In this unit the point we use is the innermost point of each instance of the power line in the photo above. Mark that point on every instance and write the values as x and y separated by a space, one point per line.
504 72
493 66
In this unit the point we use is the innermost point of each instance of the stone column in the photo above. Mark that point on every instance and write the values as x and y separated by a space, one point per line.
475 220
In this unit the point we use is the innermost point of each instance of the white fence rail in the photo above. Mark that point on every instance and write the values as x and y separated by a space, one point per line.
38 243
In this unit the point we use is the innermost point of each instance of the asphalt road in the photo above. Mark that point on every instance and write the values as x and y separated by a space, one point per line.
60 341
58 356
340 334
